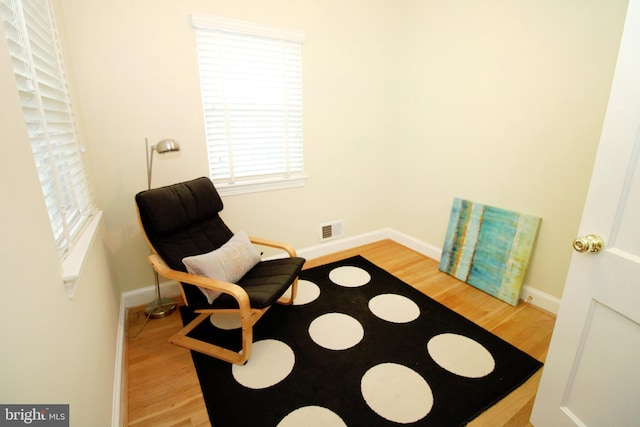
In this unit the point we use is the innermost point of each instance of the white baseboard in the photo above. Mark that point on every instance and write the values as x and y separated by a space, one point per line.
540 299
117 410
147 295
371 237
337 245
419 246
529 294
142 296
545 301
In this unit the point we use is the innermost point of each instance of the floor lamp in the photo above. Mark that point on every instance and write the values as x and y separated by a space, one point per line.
161 307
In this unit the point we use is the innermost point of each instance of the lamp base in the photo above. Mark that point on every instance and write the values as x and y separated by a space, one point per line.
160 308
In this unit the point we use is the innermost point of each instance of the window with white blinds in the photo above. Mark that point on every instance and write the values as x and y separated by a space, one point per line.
251 82
37 62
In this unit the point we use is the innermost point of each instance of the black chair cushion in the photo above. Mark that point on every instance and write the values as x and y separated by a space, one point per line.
264 283
182 220
172 208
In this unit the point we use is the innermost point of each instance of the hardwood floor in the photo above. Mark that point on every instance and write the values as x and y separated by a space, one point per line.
163 388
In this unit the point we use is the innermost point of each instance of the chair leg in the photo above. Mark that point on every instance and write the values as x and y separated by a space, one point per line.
180 338
294 291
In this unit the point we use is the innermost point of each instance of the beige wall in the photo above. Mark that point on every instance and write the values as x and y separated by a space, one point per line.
137 77
53 350
407 104
504 104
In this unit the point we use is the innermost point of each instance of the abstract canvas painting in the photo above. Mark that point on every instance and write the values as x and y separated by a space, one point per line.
489 248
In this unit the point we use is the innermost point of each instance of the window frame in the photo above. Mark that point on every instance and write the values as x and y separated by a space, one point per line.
41 82
209 29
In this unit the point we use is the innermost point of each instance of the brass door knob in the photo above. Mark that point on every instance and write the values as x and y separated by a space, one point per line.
591 244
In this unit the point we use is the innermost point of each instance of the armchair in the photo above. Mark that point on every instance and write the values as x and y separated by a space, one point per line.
218 271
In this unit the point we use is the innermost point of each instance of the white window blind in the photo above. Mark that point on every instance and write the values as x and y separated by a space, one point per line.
251 81
37 62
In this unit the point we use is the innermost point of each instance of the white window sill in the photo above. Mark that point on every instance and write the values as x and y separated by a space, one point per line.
75 259
245 187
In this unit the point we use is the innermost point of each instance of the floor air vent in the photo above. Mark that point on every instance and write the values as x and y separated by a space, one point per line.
331 230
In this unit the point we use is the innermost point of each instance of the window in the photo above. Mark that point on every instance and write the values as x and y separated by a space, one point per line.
37 63
251 82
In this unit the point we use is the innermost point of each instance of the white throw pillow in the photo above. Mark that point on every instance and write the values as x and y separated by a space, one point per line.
228 263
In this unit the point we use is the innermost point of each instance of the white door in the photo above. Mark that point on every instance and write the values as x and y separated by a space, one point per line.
592 372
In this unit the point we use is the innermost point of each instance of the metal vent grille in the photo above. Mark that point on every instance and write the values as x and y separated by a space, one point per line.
331 230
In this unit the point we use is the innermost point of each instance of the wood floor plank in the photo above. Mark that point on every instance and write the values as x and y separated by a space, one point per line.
163 388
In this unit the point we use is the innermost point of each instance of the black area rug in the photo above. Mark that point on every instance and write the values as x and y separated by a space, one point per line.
362 348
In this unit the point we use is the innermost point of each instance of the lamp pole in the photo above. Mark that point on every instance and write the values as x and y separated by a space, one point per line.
161 307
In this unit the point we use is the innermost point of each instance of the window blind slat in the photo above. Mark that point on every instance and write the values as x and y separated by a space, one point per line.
36 59
251 86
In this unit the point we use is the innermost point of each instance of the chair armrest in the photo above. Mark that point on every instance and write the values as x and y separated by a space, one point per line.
232 289
273 244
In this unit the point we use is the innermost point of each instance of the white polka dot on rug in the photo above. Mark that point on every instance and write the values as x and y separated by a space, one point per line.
394 308
270 362
461 355
312 416
336 331
307 292
349 276
226 321
397 393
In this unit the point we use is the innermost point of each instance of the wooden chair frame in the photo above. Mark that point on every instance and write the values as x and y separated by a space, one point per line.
248 316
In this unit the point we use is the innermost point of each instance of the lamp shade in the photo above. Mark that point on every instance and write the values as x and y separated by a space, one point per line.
167 146
163 146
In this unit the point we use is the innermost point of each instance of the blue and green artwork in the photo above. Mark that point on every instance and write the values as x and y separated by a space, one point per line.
489 248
